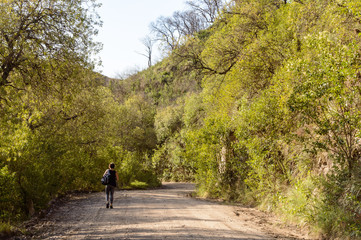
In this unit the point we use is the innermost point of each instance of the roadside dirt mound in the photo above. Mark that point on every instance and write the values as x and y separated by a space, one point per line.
166 213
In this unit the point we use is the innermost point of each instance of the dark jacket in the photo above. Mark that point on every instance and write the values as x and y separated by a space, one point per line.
113 178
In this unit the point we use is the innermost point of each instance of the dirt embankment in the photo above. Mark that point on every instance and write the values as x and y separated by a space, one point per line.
166 213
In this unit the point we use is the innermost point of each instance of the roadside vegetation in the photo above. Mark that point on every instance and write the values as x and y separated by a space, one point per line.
257 102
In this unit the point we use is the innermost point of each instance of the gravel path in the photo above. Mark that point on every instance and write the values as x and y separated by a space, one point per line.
166 213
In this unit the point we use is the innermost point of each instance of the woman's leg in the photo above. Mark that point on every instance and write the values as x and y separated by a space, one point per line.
107 191
111 190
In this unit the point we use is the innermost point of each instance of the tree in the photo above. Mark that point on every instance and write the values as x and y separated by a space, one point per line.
166 32
46 81
173 30
327 95
135 131
41 35
148 43
207 9
188 22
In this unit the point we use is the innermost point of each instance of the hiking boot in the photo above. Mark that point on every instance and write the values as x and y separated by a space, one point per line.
107 205
111 206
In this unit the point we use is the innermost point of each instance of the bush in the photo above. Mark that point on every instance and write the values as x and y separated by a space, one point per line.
299 201
138 185
339 209
6 230
9 193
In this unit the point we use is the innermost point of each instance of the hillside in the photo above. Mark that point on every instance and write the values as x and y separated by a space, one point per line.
262 108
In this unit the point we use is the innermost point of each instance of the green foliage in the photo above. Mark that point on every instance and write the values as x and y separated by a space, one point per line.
170 161
338 209
138 185
131 167
262 108
167 122
135 128
44 42
278 108
60 125
10 193
6 230
299 202
328 96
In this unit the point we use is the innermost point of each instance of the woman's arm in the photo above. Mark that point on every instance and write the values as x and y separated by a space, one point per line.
116 174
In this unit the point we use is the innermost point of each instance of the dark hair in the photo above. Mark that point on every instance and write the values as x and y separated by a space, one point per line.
112 165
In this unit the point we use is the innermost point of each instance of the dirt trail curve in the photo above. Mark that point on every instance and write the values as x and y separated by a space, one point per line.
165 213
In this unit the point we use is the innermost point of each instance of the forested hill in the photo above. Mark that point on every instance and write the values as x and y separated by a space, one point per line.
257 102
261 107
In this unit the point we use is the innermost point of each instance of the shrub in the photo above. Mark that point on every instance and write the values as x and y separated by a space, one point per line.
138 185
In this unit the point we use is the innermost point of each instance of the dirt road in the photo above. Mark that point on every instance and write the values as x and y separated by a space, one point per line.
166 213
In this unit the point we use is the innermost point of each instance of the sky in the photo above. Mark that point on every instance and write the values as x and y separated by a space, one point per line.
125 23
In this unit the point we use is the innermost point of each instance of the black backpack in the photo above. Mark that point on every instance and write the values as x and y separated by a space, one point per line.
106 178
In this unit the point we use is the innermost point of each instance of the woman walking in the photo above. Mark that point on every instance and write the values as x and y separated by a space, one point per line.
110 187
